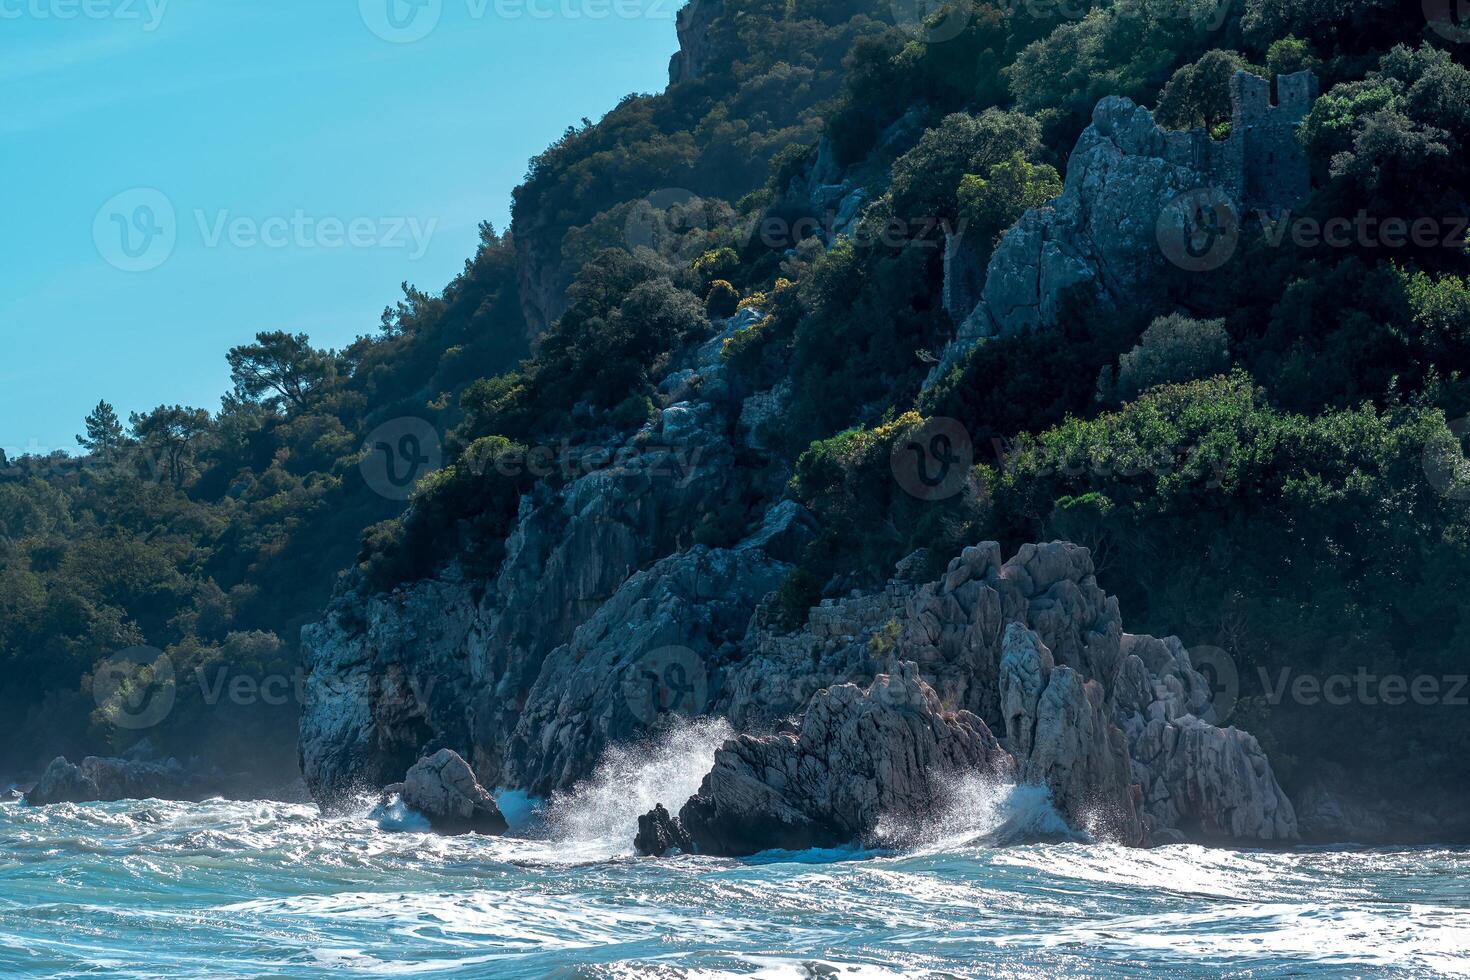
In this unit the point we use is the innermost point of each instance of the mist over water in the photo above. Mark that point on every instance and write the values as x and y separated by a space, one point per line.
992 886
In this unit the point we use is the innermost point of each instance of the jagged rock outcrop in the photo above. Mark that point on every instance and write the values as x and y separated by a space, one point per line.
99 780
1035 648
1209 781
660 832
1111 235
442 788
649 653
864 760
1058 727
62 782
692 24
386 675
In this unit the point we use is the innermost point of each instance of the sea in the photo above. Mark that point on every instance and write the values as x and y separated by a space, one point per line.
996 886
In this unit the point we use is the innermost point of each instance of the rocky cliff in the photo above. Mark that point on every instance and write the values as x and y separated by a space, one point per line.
607 619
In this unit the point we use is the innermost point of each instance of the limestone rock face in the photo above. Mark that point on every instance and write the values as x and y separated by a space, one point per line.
1035 648
99 780
648 655
1209 781
1125 176
863 760
454 662
386 674
1056 724
442 788
692 24
1100 235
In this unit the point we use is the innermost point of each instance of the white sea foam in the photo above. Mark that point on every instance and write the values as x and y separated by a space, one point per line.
269 889
983 811
599 818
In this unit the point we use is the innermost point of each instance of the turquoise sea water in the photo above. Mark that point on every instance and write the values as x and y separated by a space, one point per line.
228 889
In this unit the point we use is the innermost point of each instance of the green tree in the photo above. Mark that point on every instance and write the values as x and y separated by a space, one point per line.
1173 349
991 204
1288 56
279 362
104 436
1199 94
171 434
926 178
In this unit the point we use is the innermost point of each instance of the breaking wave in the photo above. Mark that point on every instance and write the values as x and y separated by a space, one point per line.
599 818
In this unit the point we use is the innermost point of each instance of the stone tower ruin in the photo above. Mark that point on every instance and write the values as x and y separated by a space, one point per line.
1263 165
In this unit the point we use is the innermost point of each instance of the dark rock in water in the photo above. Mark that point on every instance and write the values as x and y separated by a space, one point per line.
443 788
99 780
660 832
62 782
866 766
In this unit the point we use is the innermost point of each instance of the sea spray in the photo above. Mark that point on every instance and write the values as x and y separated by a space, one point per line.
600 815
980 810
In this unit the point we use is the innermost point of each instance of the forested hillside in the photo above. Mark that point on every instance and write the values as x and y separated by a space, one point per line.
1261 455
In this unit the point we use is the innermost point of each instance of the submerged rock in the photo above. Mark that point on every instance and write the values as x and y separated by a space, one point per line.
99 780
866 765
444 789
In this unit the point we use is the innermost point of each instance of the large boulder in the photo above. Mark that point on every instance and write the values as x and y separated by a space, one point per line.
867 765
660 832
444 789
62 782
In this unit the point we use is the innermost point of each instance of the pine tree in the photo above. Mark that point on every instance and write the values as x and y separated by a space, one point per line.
104 432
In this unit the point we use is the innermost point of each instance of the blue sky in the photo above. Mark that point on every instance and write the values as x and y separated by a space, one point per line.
273 164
